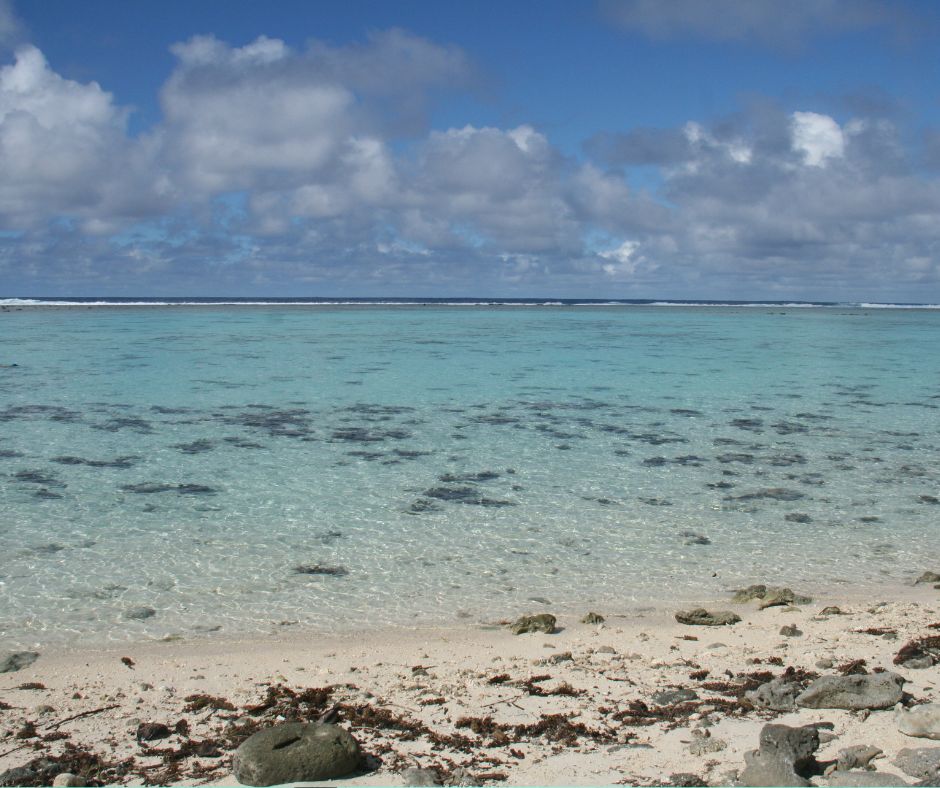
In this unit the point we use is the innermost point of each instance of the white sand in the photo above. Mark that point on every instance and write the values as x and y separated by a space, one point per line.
625 659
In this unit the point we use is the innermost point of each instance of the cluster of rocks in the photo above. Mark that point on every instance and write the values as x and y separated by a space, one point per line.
786 756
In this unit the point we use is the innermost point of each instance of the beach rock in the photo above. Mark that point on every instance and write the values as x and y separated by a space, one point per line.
790 631
20 775
769 596
749 594
874 691
782 596
784 757
593 618
831 610
703 618
922 763
148 731
707 746
420 777
140 613
686 780
777 694
543 622
919 654
920 721
462 776
68 780
865 779
296 752
859 756
928 577
671 697
17 660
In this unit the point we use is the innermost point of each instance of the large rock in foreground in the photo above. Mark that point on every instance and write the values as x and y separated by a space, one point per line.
785 757
296 752
875 691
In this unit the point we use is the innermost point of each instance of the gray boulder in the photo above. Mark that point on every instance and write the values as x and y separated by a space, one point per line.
776 694
17 661
703 618
921 721
874 691
922 763
785 757
543 622
928 577
296 752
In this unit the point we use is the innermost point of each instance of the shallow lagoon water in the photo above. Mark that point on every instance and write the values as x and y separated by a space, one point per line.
432 464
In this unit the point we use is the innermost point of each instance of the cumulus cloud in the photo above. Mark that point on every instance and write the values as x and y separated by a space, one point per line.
767 21
64 150
279 170
817 137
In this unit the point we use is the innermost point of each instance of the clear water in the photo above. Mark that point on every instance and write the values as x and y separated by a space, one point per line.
456 463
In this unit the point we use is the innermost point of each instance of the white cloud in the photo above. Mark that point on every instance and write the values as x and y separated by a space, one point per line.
817 137
314 167
63 148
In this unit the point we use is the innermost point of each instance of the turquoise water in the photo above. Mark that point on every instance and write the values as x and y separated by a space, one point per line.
248 469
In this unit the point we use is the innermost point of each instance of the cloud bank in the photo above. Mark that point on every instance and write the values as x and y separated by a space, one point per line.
275 171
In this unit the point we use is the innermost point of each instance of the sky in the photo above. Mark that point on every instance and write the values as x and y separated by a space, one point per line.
714 149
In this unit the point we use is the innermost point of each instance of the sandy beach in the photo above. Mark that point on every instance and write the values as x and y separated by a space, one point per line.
480 705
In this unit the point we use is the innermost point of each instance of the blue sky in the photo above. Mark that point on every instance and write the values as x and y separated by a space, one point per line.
619 148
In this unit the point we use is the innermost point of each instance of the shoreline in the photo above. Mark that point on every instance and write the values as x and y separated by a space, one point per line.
425 697
287 632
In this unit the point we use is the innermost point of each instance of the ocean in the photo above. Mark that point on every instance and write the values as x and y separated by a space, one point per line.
235 467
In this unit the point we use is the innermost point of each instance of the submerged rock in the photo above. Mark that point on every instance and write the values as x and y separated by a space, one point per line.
319 569
140 613
873 691
920 721
17 660
543 622
928 577
296 752
703 618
